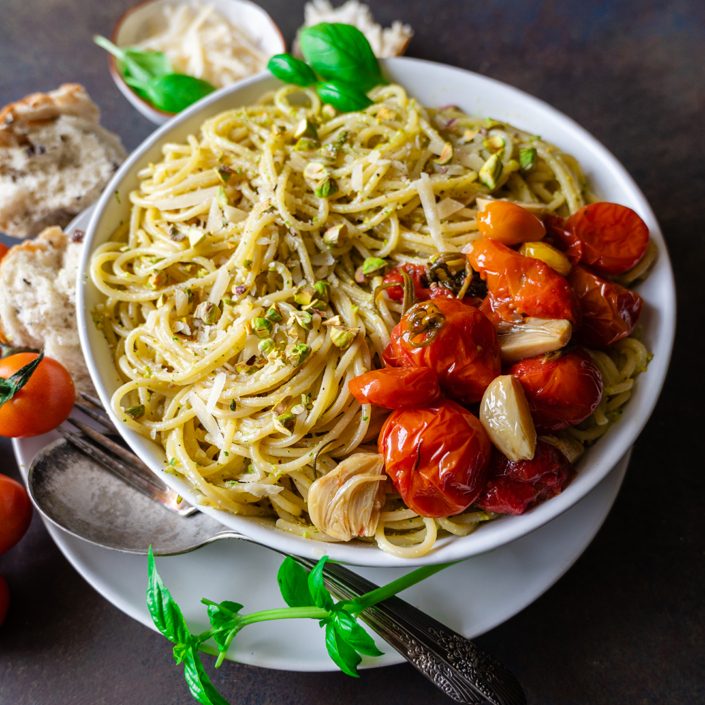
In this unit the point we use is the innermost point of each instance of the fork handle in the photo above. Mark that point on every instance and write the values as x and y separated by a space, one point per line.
450 661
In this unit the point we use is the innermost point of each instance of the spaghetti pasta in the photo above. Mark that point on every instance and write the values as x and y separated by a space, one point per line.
240 296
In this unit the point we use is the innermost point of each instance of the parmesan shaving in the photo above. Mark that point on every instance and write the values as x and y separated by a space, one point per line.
430 209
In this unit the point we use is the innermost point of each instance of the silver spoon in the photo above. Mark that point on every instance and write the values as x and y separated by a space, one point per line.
78 495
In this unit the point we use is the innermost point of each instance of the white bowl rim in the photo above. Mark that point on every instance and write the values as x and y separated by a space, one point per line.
498 532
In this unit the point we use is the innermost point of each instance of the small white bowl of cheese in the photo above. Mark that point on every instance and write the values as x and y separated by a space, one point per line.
220 41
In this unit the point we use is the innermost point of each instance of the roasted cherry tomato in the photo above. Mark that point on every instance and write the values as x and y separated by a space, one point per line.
520 286
15 512
559 234
396 387
516 485
452 338
509 223
4 599
608 311
611 238
42 404
562 389
4 249
437 457
417 272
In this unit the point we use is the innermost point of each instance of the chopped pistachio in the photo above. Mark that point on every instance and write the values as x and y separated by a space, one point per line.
446 154
233 405
209 313
327 188
175 234
322 289
469 135
315 171
298 354
343 337
157 279
304 319
306 401
306 128
303 297
373 265
527 158
316 305
261 327
135 412
306 144
491 171
287 419
335 236
495 143
266 346
225 172
272 314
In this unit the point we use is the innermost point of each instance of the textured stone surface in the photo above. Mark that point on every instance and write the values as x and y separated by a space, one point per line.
627 623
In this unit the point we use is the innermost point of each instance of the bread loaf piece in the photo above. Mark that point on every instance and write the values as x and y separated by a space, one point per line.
55 159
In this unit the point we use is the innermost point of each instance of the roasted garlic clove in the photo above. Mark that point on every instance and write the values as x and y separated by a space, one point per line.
504 412
534 336
346 502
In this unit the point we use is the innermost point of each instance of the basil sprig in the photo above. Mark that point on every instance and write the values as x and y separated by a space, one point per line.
307 597
341 56
150 75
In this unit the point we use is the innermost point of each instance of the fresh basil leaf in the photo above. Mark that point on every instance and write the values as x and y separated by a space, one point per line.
353 634
176 91
341 52
223 614
165 612
293 583
155 63
344 656
344 97
319 592
198 681
289 69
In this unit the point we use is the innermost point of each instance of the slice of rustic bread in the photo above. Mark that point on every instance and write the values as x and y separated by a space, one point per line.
37 305
55 159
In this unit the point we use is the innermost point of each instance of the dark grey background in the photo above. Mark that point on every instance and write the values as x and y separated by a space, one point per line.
626 625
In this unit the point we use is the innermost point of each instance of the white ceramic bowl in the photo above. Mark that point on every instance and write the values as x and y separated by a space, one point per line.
433 84
133 25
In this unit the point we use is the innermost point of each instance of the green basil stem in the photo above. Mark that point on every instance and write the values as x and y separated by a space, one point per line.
135 69
380 594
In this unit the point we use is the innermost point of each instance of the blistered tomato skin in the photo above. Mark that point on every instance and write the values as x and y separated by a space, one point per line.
515 486
396 387
608 311
562 390
612 238
452 338
436 457
417 272
509 223
520 286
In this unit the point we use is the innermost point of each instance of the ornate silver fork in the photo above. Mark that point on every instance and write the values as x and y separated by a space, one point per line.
155 515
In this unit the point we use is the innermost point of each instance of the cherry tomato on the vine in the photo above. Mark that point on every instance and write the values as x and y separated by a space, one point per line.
611 238
15 512
608 311
509 223
454 339
42 403
520 286
396 387
562 389
517 485
437 457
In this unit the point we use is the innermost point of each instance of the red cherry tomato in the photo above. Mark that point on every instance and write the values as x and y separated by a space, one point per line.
562 390
437 457
559 234
396 387
4 599
452 338
516 485
612 238
4 249
521 286
608 311
509 223
42 404
15 512
417 272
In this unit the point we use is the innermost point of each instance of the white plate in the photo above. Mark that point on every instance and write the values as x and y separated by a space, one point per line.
432 84
472 597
